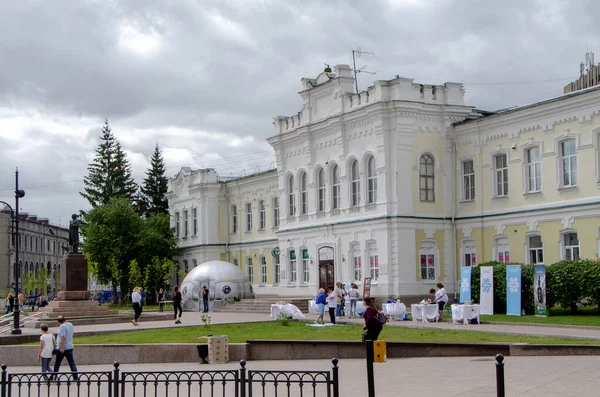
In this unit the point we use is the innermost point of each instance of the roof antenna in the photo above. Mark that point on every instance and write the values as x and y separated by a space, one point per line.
356 54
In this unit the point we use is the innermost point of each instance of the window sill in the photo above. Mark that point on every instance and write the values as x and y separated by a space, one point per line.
291 285
320 214
262 230
566 189
500 198
427 201
248 232
261 285
466 202
303 217
354 209
337 211
532 194
184 238
275 228
305 285
371 207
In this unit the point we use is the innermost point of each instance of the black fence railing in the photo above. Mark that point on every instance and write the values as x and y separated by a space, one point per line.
116 383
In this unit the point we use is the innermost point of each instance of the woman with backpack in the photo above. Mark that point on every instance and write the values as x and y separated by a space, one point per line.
374 320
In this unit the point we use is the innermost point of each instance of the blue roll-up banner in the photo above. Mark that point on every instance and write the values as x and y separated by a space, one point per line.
513 290
465 284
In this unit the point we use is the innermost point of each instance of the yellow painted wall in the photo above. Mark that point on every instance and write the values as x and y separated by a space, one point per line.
434 141
587 232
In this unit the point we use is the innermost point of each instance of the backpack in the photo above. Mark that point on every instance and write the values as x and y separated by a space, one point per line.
381 318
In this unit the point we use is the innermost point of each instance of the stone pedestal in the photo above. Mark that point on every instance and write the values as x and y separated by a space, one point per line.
73 278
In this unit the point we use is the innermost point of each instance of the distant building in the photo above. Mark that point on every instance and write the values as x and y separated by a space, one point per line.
41 247
402 183
589 75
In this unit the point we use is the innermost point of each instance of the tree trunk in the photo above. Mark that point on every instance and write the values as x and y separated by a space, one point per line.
115 298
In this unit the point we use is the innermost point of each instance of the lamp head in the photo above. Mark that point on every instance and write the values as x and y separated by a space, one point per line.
19 193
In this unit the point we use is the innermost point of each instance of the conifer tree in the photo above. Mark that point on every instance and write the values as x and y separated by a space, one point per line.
109 173
155 185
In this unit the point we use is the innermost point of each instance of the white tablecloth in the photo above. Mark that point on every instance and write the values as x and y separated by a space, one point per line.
287 309
313 308
424 312
465 313
397 310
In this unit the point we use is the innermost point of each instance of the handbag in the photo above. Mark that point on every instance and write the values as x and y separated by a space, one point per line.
55 351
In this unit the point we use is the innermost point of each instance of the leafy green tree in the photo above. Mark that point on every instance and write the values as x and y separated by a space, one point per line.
135 276
109 174
155 185
157 276
111 242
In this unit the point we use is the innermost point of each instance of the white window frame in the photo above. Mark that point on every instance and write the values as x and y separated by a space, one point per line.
275 212
568 163
428 258
303 193
195 221
356 255
469 253
185 224
248 217
570 252
354 184
468 180
336 187
262 215
177 225
321 193
293 263
371 180
537 251
533 169
250 269
263 269
373 260
427 178
502 250
234 223
305 266
500 175
276 270
291 196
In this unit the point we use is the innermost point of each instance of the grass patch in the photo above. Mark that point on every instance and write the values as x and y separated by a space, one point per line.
296 330
587 316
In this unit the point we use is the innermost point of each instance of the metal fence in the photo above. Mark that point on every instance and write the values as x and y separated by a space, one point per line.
116 383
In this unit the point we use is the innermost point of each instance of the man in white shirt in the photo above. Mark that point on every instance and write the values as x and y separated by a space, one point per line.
64 345
331 303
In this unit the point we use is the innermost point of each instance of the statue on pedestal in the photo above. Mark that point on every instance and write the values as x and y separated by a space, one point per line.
74 233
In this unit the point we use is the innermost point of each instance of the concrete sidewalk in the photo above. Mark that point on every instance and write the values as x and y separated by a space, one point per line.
450 377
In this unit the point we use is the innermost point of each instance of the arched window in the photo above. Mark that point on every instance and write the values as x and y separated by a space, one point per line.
371 181
303 194
426 178
321 187
355 181
335 189
291 200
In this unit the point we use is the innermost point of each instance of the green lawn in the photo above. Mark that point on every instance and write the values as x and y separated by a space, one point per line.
587 316
239 333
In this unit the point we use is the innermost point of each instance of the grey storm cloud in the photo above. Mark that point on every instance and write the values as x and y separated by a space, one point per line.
204 78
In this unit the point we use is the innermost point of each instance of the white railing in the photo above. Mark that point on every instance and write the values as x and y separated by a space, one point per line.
23 320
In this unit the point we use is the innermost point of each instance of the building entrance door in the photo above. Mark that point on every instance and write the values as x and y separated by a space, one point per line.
326 267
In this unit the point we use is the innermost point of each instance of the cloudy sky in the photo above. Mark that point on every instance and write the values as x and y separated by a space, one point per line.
205 78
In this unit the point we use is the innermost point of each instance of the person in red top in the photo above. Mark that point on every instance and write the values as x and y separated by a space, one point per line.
372 324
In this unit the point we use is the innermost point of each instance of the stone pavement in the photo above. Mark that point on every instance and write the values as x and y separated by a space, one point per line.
415 377
195 318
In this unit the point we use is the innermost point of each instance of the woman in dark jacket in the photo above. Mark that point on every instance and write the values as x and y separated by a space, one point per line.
372 324
177 301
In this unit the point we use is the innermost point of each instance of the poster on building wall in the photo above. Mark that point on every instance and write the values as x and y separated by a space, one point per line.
367 287
465 284
513 290
539 286
486 290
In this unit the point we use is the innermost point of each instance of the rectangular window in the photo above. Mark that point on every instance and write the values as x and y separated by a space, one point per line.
275 212
250 270
501 175
25 243
293 270
185 224
263 270
533 170
469 252
262 214
374 263
276 270
234 224
177 224
502 250
468 180
571 244
305 268
568 163
357 261
427 266
248 217
335 194
536 250
355 192
195 221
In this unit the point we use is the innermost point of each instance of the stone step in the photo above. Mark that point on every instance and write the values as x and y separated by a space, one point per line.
74 314
74 303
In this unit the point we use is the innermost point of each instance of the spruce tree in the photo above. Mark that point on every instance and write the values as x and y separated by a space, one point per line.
109 174
155 185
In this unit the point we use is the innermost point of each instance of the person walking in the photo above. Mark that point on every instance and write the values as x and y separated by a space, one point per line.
177 302
159 298
331 303
205 298
373 323
47 343
20 300
136 302
64 346
10 303
441 298
321 301
354 295
339 297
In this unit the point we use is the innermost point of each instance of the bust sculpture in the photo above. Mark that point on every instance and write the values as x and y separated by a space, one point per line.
74 233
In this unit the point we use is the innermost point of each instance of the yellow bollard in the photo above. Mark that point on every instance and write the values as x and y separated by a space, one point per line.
379 351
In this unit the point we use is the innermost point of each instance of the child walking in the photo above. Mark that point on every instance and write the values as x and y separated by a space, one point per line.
47 343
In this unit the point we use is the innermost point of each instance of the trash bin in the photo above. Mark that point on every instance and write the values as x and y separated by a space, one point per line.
203 353
218 350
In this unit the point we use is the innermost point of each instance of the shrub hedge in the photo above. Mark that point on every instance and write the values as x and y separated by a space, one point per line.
568 283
